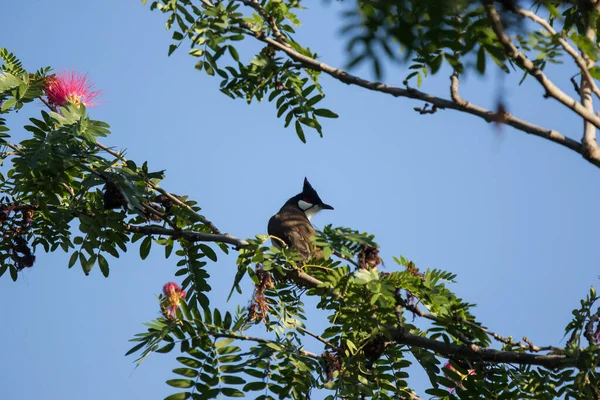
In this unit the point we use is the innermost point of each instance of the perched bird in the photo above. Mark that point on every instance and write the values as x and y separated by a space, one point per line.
291 225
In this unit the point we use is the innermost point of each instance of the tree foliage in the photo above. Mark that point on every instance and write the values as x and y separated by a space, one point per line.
63 189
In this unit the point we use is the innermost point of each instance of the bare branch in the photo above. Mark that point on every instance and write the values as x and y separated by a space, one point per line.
581 63
532 347
190 236
590 145
590 334
487 115
476 353
521 60
417 311
472 351
454 82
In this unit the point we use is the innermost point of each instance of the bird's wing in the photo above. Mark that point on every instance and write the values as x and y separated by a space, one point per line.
295 230
300 243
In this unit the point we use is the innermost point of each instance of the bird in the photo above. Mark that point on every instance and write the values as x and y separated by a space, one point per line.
291 225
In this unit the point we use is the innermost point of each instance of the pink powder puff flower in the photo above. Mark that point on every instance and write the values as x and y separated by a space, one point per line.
173 294
70 87
463 377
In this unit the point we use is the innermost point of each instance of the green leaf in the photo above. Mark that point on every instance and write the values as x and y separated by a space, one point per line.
232 380
190 362
196 52
234 53
255 386
300 132
595 72
208 251
322 112
86 263
103 264
314 100
169 248
585 45
8 104
231 392
223 342
481 60
364 276
180 383
179 396
145 247
135 348
14 274
187 372
437 392
166 348
274 346
73 259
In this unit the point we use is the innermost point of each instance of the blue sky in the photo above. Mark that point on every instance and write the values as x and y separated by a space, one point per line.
514 216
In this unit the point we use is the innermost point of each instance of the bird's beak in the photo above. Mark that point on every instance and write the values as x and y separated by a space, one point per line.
326 207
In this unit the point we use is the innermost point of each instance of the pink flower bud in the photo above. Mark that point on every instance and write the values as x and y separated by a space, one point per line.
173 295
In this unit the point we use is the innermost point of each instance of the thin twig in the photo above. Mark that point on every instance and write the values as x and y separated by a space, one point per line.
344 257
575 84
454 94
257 340
319 338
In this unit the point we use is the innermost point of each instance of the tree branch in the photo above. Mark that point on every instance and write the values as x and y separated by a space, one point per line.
590 145
301 278
487 115
472 352
268 19
171 197
522 61
190 236
508 341
476 353
581 63
589 333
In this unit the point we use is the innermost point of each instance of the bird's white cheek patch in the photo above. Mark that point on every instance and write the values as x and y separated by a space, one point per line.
304 205
311 212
